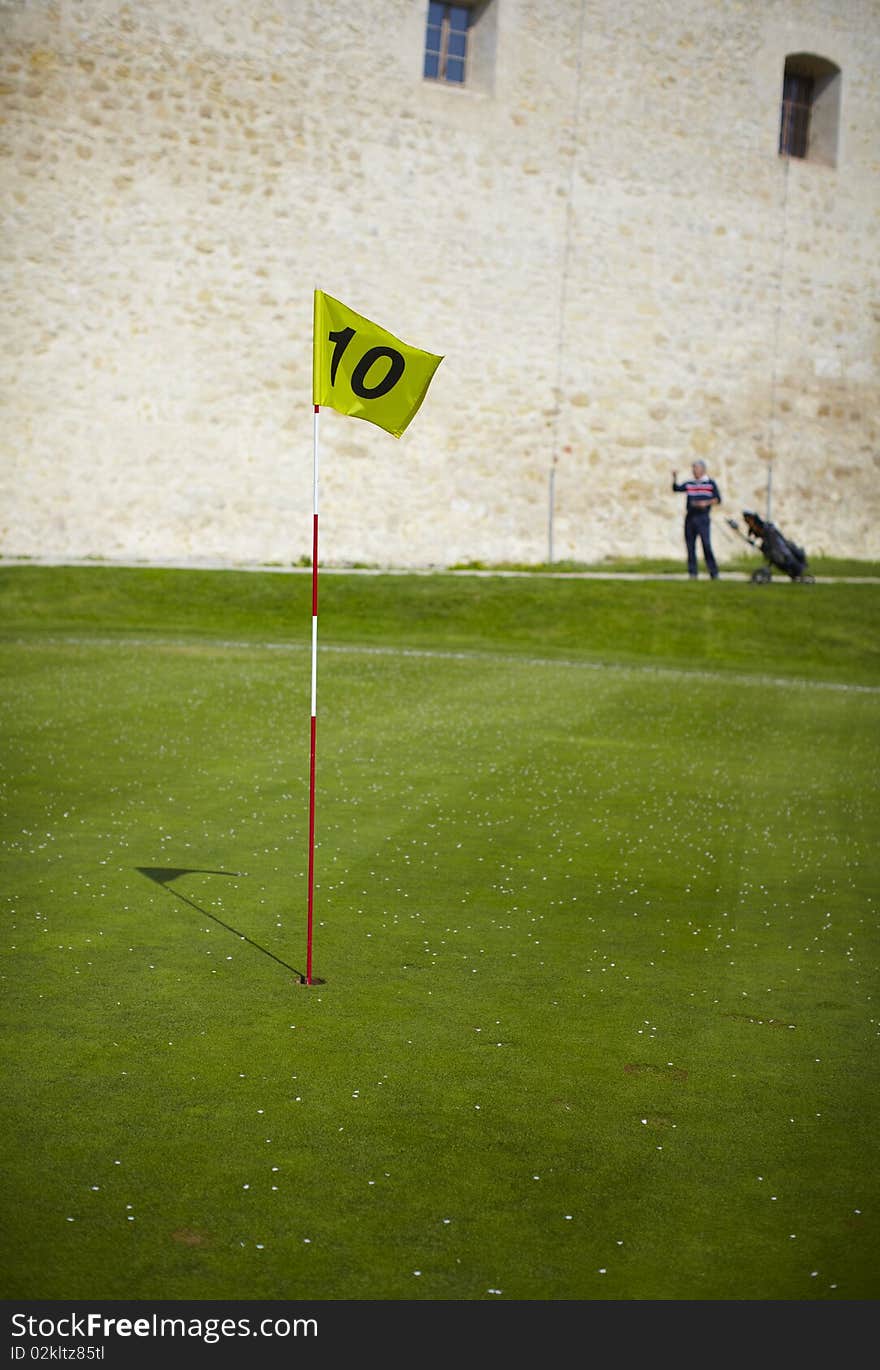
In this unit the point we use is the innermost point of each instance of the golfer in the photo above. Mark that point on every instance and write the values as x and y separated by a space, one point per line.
702 493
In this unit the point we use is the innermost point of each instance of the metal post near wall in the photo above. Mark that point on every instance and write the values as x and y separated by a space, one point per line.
769 491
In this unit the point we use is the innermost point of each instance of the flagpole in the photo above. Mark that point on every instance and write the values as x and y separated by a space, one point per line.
344 379
314 716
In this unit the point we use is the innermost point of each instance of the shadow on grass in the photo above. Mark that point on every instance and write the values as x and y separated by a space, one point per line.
163 875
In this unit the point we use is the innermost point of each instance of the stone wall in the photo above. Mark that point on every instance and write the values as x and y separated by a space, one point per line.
598 234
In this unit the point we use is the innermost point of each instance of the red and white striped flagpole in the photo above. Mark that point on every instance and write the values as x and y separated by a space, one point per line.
314 725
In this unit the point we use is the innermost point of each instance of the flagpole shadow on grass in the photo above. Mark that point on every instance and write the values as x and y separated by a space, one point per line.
163 875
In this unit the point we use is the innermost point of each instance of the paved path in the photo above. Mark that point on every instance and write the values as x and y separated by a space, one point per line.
213 565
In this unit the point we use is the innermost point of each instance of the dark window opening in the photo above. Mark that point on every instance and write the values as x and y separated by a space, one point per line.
797 101
809 122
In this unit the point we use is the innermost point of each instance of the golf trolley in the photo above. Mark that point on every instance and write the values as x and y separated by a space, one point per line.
777 550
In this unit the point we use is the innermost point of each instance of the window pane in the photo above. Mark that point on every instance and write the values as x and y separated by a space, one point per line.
795 131
800 133
794 127
798 88
446 41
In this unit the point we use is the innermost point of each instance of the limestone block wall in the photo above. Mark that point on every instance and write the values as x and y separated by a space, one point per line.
597 232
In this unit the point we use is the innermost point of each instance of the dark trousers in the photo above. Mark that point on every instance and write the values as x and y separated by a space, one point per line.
696 526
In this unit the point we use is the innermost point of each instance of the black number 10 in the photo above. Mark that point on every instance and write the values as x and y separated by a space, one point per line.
396 368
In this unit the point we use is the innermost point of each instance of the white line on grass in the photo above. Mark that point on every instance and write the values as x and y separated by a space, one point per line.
438 654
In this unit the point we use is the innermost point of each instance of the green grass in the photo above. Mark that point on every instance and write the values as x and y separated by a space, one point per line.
745 562
595 925
828 631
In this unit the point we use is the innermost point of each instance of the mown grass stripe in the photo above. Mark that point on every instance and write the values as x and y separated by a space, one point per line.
439 654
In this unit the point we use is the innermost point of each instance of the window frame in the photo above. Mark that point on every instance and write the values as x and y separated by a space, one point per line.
447 30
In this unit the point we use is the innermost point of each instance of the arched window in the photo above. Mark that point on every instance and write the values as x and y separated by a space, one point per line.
808 125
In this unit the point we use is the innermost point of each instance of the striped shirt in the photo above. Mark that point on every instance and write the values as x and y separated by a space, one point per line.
697 491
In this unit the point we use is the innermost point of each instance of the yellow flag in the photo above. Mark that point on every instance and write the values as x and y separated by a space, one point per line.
361 369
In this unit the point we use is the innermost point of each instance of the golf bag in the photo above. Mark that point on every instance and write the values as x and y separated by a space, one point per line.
778 551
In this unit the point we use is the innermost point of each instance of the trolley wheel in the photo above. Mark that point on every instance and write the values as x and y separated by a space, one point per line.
761 576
